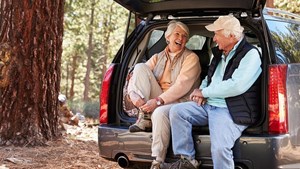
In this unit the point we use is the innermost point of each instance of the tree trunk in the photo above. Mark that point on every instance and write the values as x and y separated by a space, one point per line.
67 79
30 50
89 56
107 21
73 74
270 3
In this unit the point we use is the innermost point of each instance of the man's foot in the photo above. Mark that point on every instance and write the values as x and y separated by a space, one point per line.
184 163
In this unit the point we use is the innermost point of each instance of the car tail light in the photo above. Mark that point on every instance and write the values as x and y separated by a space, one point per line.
104 95
278 120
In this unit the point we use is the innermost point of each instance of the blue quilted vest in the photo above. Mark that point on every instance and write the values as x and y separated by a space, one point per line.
245 109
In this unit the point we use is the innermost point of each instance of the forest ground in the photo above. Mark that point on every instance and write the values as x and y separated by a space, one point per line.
77 149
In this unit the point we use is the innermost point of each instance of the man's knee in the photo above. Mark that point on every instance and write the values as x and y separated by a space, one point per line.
173 114
220 151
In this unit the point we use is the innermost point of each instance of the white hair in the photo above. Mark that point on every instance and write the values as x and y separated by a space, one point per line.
236 34
173 24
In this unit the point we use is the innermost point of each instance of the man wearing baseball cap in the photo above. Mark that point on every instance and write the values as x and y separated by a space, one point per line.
228 100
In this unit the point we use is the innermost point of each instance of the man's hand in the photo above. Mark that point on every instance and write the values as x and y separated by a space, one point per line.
197 97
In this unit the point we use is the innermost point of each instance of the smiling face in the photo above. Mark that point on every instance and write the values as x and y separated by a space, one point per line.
224 43
177 40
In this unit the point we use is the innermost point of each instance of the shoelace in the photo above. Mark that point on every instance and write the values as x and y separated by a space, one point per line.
185 161
177 164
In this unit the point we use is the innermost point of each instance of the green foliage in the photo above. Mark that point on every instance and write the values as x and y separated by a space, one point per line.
88 109
76 106
288 5
108 33
289 45
91 110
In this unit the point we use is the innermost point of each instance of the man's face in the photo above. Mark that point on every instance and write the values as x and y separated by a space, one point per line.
224 43
177 39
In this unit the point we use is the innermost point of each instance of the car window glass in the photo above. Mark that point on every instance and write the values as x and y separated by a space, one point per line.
252 39
286 41
196 42
156 35
132 24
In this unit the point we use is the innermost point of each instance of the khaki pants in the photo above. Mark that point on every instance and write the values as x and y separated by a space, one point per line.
161 131
145 85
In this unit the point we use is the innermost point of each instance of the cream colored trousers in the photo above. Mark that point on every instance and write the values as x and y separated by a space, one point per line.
145 85
161 132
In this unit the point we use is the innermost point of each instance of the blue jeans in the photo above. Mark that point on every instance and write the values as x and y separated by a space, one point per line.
223 131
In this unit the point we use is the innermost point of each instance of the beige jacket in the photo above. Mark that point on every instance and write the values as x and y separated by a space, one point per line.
184 74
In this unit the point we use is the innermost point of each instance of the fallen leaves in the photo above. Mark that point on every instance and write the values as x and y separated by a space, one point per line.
78 149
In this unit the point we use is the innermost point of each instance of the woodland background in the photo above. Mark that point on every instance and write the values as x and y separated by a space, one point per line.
93 32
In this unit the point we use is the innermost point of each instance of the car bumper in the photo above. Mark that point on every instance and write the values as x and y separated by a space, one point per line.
263 152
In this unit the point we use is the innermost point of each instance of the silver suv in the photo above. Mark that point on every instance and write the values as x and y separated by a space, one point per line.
273 142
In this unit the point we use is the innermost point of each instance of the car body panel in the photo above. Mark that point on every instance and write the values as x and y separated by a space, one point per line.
115 141
293 99
145 7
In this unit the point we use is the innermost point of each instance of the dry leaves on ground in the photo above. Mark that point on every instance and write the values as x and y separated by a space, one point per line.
78 149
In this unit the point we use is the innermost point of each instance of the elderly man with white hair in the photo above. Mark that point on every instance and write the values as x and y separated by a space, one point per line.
228 100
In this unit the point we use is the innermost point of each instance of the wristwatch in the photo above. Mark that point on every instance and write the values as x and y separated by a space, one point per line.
158 101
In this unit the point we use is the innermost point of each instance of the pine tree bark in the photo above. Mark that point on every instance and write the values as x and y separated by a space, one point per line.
30 57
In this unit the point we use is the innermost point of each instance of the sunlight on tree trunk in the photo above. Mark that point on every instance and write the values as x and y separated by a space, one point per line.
108 24
89 55
30 50
73 73
270 3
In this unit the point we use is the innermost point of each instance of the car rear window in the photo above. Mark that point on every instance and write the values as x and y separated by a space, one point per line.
286 37
196 42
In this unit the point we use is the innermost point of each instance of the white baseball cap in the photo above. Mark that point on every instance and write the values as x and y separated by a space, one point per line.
228 22
62 98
